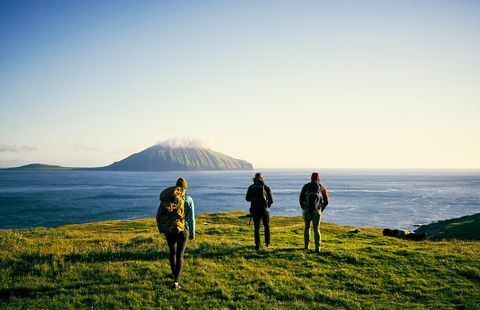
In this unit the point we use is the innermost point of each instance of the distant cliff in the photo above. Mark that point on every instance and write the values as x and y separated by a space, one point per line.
163 158
39 167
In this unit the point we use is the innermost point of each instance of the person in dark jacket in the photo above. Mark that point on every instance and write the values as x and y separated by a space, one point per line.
260 197
313 200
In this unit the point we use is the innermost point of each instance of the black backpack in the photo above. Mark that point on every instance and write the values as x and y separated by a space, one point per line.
259 195
313 197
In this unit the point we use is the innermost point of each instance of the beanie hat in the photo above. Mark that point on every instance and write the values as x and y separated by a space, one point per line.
258 176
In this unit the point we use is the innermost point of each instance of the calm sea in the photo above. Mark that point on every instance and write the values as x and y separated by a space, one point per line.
395 199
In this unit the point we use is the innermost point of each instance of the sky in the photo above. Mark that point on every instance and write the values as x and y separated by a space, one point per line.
282 84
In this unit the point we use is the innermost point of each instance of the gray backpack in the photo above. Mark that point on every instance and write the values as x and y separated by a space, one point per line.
313 198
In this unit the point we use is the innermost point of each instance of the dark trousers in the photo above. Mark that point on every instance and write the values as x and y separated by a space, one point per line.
265 218
177 243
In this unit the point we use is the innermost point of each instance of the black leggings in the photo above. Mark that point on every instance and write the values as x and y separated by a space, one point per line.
177 243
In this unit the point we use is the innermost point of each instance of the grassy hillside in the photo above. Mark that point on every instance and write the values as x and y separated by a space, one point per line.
462 228
123 264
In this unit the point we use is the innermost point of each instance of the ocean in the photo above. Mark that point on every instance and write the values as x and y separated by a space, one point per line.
393 199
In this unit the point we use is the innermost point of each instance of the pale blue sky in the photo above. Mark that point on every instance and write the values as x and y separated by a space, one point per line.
337 84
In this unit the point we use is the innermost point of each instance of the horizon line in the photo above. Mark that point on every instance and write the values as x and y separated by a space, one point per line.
284 168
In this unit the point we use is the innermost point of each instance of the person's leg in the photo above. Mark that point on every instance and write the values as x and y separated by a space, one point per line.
306 233
266 226
181 246
172 246
256 232
316 230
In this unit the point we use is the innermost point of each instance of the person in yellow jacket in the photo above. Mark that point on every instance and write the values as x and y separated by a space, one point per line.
177 238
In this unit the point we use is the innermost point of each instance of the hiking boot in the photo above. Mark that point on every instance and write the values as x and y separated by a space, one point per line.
176 286
268 246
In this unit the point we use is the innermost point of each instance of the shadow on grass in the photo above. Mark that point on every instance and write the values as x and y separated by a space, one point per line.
209 251
202 250
26 262
95 257
24 292
32 263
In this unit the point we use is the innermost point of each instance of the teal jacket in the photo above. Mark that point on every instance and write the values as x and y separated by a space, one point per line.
189 215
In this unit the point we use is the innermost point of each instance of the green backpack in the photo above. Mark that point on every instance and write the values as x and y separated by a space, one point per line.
171 212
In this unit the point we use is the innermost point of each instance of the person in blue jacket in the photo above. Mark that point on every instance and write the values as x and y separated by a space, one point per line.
190 216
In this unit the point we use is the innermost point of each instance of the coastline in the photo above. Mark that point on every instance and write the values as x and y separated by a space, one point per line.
435 230
52 199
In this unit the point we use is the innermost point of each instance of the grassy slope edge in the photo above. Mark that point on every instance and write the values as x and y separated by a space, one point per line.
462 228
123 264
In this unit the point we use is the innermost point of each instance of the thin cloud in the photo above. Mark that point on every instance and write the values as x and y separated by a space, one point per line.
7 148
16 149
28 148
186 142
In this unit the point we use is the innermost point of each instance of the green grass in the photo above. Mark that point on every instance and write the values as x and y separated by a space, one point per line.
123 264
462 228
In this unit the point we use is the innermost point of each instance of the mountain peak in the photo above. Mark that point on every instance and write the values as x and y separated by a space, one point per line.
162 157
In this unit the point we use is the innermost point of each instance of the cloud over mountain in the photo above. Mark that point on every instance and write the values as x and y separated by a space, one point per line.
186 143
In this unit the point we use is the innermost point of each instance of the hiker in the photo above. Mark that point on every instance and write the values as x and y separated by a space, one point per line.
176 220
260 197
313 200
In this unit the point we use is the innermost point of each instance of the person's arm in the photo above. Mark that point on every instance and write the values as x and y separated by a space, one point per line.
301 198
325 197
190 216
191 224
248 197
269 196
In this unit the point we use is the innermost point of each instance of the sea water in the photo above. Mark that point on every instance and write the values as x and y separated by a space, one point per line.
394 199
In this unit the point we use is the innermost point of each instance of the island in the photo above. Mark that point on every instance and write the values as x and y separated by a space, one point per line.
161 158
